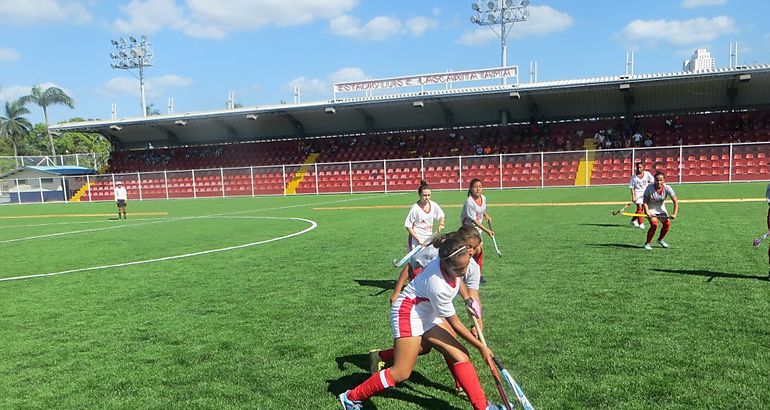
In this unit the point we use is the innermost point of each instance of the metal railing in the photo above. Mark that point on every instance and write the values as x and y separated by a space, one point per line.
681 164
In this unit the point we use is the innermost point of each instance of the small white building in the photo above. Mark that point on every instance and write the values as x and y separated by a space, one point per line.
701 60
42 184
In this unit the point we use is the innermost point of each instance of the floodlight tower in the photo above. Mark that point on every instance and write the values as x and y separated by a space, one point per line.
503 13
130 55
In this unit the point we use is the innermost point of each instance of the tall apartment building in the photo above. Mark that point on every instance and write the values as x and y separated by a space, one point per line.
701 60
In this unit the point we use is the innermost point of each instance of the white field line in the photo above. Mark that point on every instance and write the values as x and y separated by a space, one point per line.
174 218
159 220
313 225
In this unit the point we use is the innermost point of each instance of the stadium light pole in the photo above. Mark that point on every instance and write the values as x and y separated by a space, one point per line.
503 13
133 54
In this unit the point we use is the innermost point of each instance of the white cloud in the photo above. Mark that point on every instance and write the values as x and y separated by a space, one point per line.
316 88
691 4
153 87
682 32
8 54
42 12
542 20
216 19
380 28
347 74
12 92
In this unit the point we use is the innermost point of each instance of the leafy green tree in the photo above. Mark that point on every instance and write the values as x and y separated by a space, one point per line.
13 125
44 99
152 110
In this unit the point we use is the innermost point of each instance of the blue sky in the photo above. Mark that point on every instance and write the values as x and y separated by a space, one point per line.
261 49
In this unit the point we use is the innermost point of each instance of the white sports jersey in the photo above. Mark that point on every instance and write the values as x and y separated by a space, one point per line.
120 193
472 211
656 201
421 221
422 258
640 184
423 302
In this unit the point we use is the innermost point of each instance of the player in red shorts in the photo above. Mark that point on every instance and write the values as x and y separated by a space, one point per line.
474 212
415 316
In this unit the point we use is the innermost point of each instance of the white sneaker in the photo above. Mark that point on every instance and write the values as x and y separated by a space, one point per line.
648 246
663 243
641 226
635 223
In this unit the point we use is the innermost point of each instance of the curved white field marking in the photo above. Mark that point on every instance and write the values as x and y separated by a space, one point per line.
170 219
313 225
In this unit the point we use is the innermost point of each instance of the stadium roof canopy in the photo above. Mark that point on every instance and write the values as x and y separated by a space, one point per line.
46 172
746 87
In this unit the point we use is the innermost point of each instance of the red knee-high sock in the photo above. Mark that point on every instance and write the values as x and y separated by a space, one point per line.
375 384
465 374
450 365
651 231
386 355
479 258
664 229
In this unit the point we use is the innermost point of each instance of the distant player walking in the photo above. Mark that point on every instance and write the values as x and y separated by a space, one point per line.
419 224
639 182
654 204
121 196
474 212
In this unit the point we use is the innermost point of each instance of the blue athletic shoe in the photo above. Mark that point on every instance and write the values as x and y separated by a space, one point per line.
348 404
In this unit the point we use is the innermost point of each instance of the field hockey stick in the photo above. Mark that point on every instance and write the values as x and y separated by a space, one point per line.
399 263
494 240
761 238
621 209
659 216
492 368
508 378
514 386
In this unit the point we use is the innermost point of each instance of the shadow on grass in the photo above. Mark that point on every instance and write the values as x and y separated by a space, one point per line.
615 245
606 225
710 274
407 391
385 285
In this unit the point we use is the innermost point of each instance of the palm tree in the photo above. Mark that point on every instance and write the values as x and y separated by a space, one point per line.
13 125
45 98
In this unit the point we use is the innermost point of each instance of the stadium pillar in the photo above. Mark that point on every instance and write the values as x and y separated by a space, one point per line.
165 181
195 190
500 170
315 164
542 168
251 177
385 174
350 175
422 169
730 166
680 164
18 193
139 184
460 172
64 188
283 171
42 197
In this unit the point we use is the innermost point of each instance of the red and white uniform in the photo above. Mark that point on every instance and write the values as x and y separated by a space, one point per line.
424 302
473 211
656 200
639 184
421 259
421 222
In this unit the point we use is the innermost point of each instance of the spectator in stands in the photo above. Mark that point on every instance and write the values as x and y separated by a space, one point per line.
479 149
648 142
637 139
121 196
487 150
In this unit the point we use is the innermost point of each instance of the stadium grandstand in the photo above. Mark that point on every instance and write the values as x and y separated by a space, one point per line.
699 127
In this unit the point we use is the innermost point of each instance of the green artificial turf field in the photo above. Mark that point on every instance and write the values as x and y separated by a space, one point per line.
583 316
